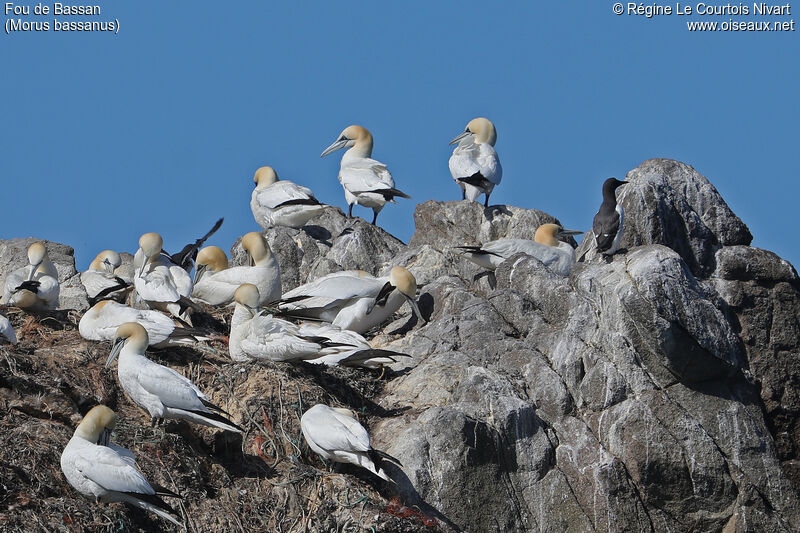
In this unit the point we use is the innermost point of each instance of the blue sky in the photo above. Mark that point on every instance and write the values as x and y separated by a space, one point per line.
160 127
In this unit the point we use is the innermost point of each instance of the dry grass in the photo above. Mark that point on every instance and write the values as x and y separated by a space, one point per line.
264 480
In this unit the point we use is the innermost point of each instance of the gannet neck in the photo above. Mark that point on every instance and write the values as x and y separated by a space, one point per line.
135 337
362 141
264 177
95 422
546 234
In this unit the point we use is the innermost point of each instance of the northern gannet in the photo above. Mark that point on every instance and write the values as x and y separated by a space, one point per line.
101 321
158 281
34 286
366 182
353 300
351 348
556 255
474 164
104 278
277 202
161 391
215 282
608 223
7 330
97 468
336 435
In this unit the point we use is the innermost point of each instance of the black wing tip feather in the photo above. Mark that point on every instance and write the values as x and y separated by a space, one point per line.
214 407
155 500
379 457
164 491
216 417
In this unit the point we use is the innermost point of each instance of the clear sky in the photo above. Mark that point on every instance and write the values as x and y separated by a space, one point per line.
160 126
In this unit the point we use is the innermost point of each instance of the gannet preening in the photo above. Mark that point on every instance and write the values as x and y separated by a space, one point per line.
101 321
474 164
277 202
158 281
215 283
336 435
556 255
185 258
366 182
608 223
7 330
353 300
97 468
161 391
104 278
34 286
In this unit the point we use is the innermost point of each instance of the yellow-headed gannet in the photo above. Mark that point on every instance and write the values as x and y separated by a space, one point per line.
105 279
353 300
101 321
161 391
158 281
474 164
34 286
7 330
97 468
366 182
556 255
608 223
336 435
215 282
277 202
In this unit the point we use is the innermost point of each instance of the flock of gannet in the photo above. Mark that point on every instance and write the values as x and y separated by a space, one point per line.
321 322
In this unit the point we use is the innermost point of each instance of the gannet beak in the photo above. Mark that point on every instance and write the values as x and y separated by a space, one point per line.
33 271
568 232
338 145
118 344
198 273
415 308
461 136
104 438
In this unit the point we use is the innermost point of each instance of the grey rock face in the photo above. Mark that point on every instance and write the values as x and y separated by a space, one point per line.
14 254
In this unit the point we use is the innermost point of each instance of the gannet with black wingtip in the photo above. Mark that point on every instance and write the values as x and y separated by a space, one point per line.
161 391
608 223
97 468
216 283
557 256
353 300
7 330
474 164
366 182
101 321
105 277
158 281
277 202
351 348
34 286
336 435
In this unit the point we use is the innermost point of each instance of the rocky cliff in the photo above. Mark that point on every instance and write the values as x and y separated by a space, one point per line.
657 391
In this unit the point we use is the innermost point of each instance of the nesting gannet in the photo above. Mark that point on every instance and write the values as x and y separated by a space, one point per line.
353 300
351 349
101 321
161 391
97 468
215 283
607 227
366 182
34 286
104 278
159 281
7 330
277 202
474 164
556 255
336 435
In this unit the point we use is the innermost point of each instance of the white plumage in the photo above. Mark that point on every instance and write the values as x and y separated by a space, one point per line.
101 321
474 165
277 202
34 286
103 273
7 330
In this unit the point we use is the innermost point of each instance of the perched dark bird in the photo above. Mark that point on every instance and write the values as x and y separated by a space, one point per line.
608 222
185 258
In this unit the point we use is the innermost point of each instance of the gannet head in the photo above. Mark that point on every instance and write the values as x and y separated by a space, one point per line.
247 295
37 255
610 188
264 177
151 245
256 246
96 426
405 282
481 128
107 261
209 258
352 136
549 233
131 334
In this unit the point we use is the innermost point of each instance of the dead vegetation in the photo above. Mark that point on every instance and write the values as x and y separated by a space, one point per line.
264 480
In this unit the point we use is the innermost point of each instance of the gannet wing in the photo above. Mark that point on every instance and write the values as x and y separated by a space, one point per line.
106 467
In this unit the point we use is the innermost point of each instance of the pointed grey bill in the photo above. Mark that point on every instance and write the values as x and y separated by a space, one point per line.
33 271
461 136
104 438
199 270
337 145
118 344
569 232
415 308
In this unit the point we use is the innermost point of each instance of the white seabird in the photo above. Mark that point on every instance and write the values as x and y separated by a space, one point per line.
556 255
336 435
101 321
161 391
351 348
474 164
366 182
97 468
608 223
277 202
104 277
353 300
158 281
34 286
7 330
215 282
